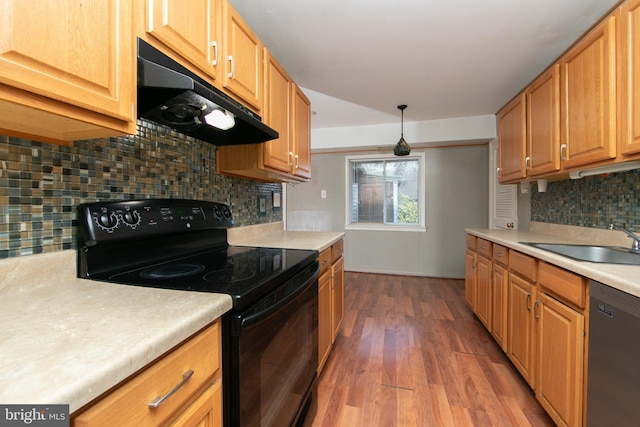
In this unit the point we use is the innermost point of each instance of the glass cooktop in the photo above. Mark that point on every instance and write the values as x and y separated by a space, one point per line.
245 273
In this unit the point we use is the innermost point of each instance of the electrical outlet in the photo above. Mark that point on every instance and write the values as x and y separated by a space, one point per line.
323 194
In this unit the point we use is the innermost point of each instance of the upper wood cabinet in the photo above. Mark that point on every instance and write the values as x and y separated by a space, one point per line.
278 152
512 140
242 58
196 40
67 69
588 96
301 133
630 77
529 130
288 111
543 123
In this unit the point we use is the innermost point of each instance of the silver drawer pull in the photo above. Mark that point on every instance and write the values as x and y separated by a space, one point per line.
158 400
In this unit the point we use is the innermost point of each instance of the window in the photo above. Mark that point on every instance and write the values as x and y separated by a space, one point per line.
385 192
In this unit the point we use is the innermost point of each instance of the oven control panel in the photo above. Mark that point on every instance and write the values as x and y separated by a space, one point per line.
103 222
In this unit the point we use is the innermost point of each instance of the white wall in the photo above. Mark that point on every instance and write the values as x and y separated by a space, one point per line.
475 128
457 197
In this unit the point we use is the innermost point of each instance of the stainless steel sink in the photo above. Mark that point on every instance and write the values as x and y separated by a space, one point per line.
603 254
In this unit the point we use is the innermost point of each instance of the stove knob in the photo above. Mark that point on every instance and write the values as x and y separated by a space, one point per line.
226 211
131 218
107 221
217 212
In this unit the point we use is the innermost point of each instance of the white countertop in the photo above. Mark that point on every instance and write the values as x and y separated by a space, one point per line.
623 277
67 340
272 235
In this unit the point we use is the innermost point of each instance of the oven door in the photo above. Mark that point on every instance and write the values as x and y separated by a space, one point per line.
272 356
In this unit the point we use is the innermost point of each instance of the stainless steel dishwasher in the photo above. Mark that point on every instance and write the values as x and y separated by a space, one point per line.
613 394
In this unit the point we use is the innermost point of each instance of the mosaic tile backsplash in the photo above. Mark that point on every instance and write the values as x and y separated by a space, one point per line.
41 184
593 201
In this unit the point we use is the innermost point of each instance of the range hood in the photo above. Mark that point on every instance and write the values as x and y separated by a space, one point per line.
171 95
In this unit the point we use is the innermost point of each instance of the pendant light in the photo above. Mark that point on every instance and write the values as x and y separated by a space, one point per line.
401 148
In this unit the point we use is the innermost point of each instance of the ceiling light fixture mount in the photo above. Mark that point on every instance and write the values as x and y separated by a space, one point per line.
401 148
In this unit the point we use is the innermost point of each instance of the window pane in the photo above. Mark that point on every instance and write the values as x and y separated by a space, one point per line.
368 180
402 191
385 191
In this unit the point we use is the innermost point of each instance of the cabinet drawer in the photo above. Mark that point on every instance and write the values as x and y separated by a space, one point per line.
501 255
325 260
471 242
336 251
484 248
128 404
562 283
523 265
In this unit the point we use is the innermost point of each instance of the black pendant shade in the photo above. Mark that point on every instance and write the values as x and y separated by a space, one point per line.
401 148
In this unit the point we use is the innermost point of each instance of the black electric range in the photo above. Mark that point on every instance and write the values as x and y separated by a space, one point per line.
270 336
179 244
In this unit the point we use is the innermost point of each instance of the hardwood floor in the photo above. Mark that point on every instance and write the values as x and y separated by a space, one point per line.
411 353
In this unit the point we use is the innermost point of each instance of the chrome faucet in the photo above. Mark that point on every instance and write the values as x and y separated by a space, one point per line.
635 246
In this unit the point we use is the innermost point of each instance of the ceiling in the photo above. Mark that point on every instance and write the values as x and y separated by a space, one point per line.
358 59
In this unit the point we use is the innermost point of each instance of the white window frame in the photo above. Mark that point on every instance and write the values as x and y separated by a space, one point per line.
422 194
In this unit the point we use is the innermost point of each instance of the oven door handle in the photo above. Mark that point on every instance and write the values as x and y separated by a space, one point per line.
269 309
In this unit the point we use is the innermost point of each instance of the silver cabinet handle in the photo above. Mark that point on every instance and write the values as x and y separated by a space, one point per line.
527 163
297 163
528 301
231 71
214 45
563 152
158 400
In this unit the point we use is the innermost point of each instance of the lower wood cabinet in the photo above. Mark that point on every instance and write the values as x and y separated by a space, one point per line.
337 297
521 335
192 371
204 412
560 360
470 278
330 299
561 355
538 317
483 304
500 296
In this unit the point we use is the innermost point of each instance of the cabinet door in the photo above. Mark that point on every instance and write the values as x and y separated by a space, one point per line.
520 341
277 114
470 278
588 96
483 289
512 140
543 123
243 58
500 294
325 338
630 77
189 28
559 385
301 133
337 297
206 411
77 52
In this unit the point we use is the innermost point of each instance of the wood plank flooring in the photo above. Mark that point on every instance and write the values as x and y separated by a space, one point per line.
411 353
